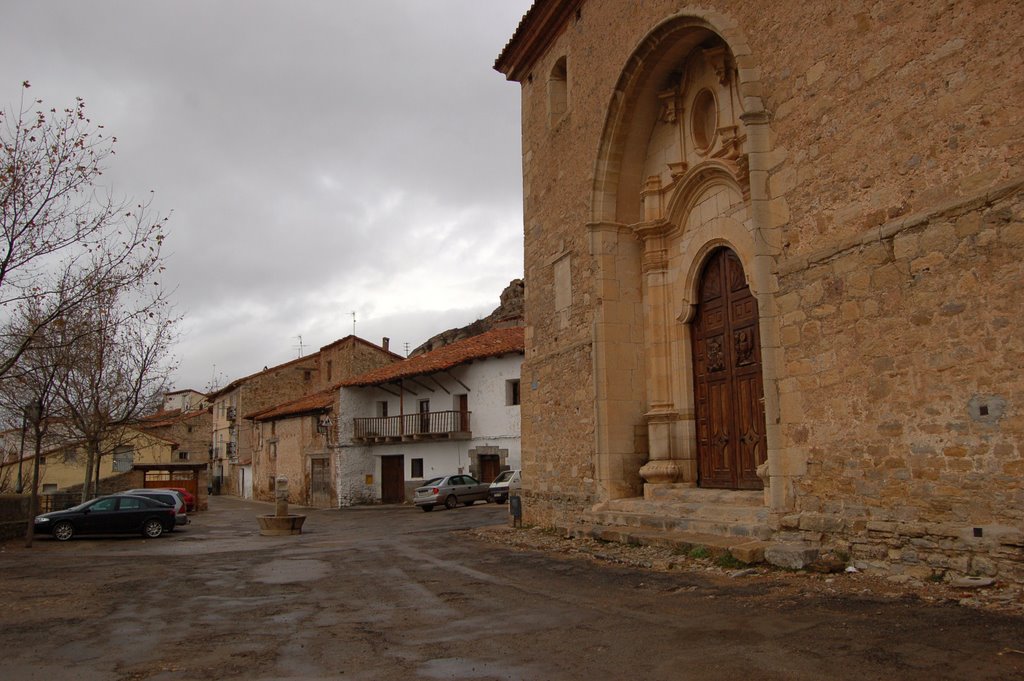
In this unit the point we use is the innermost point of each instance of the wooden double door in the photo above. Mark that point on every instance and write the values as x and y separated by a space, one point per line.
728 386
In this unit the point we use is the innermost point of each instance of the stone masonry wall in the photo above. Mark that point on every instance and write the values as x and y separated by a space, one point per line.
903 356
895 333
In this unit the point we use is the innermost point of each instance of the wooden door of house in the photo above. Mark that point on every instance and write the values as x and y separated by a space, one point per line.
728 386
490 466
392 479
320 483
424 416
463 405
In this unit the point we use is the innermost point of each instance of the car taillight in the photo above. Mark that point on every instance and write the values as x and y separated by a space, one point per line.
434 490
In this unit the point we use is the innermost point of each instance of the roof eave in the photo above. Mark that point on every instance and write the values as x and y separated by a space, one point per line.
538 29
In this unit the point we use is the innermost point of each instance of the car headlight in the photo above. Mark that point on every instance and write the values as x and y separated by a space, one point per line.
42 519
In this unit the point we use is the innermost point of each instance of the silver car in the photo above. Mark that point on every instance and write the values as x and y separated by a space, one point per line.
166 496
450 490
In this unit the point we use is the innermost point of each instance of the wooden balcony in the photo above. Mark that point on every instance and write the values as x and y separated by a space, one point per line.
432 425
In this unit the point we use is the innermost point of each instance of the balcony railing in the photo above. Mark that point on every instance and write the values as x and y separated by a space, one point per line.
421 426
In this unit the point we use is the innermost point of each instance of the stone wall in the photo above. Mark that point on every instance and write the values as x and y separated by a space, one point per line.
882 240
903 355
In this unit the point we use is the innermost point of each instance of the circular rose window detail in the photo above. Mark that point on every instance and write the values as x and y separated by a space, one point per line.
704 120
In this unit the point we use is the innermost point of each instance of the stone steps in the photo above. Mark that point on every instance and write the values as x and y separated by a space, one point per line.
743 549
730 522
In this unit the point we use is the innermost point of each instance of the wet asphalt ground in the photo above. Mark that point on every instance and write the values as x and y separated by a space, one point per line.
384 593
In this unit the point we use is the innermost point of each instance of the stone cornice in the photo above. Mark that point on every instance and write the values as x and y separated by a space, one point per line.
894 227
538 29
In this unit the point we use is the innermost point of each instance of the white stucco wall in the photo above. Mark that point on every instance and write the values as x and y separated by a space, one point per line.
493 422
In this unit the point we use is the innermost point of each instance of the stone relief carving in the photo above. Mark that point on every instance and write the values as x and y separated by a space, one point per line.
715 355
744 344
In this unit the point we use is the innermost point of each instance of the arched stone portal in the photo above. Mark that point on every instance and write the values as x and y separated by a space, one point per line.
681 172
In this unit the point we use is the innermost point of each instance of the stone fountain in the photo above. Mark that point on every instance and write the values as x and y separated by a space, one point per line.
282 522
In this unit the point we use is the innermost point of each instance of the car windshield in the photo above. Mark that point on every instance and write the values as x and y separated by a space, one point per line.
505 476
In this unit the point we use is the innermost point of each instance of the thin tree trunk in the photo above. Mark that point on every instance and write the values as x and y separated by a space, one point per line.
33 503
90 458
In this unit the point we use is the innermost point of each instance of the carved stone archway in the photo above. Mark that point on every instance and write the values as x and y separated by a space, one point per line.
681 169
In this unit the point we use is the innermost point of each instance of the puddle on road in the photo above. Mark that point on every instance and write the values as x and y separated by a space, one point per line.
289 571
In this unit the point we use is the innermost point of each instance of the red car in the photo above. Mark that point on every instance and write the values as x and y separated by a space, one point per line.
190 499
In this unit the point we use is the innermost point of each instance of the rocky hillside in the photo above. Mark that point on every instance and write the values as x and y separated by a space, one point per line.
508 313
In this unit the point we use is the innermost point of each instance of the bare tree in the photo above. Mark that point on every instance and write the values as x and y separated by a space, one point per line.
31 388
118 362
62 241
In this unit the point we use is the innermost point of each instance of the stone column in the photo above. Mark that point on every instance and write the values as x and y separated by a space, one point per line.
661 415
281 496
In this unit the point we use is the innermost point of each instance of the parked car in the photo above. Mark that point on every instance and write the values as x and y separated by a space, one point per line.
113 514
450 490
166 496
508 482
190 499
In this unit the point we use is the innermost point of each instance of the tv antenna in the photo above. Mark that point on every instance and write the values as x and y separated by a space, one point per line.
353 322
299 345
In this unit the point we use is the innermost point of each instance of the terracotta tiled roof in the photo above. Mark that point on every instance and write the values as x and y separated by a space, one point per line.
168 417
491 344
310 403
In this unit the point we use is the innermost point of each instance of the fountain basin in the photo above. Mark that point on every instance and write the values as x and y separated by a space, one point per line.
279 525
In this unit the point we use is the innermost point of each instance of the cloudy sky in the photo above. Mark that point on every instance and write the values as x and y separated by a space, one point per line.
317 158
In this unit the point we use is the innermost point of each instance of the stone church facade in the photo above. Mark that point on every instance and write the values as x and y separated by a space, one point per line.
775 250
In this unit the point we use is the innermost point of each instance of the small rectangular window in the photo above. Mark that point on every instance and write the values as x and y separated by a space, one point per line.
124 457
382 409
512 392
182 456
417 468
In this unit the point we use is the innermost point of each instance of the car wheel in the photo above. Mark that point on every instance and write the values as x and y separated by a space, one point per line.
63 531
152 528
427 508
451 502
491 499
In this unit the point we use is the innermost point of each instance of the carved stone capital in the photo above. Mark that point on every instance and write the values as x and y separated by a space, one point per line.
661 471
651 229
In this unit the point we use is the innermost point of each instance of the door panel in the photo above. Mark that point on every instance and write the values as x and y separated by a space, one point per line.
392 479
728 387
320 483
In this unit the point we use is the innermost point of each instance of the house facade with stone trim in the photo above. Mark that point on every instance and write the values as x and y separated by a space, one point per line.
236 437
452 410
296 440
779 247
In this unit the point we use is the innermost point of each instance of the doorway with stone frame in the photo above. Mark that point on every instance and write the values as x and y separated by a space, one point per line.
728 387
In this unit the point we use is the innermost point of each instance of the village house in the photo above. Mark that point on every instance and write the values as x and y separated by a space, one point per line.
190 430
62 467
775 254
249 452
184 400
294 439
454 409
231 441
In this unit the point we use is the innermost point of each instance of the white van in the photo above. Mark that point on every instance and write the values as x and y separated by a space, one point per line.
508 482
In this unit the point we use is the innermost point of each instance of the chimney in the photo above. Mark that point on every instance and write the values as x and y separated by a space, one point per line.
385 343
